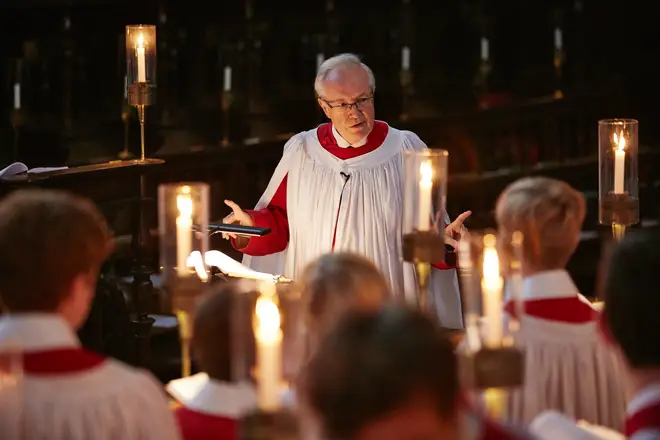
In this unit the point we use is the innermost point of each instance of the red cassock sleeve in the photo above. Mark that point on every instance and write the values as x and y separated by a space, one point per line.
274 217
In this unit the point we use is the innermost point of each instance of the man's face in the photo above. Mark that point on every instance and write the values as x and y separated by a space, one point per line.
417 420
348 102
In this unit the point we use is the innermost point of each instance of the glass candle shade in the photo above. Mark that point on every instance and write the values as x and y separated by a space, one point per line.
183 218
491 278
268 338
618 195
141 63
424 196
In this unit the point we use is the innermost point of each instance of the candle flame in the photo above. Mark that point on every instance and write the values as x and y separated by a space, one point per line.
619 142
140 41
184 202
268 316
491 265
426 174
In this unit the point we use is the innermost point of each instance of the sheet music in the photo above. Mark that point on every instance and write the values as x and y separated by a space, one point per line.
233 268
20 167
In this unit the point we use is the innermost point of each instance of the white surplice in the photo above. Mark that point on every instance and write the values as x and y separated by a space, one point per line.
551 425
369 220
568 367
109 401
647 401
201 393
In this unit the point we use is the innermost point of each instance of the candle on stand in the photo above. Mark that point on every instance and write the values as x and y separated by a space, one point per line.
227 79
405 58
425 195
619 163
183 230
268 337
17 96
319 60
491 286
141 63
484 49
558 39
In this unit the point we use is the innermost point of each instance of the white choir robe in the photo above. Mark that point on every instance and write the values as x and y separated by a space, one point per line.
643 414
374 199
551 425
211 409
70 393
568 366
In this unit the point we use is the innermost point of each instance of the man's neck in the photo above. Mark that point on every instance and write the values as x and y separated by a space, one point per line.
643 377
348 140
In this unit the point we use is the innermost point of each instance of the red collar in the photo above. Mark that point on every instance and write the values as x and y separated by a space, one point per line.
60 361
569 310
374 140
646 418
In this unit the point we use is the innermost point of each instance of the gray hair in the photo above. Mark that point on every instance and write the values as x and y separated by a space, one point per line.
338 62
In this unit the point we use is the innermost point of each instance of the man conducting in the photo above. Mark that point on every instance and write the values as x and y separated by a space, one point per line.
339 187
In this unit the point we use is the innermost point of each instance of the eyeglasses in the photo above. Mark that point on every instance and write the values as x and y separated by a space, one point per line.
346 107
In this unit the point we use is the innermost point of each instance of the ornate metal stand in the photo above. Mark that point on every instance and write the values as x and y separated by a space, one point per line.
423 248
141 95
261 425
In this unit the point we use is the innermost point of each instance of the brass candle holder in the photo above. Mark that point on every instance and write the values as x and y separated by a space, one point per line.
141 72
490 363
425 189
183 209
618 193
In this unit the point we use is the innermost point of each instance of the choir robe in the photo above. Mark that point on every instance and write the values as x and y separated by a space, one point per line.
325 197
210 409
476 426
70 393
551 425
643 414
568 366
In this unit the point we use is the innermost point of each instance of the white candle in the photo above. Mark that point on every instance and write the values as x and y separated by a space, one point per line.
17 96
141 62
619 163
319 60
184 205
425 188
269 353
558 39
484 49
405 58
491 286
227 79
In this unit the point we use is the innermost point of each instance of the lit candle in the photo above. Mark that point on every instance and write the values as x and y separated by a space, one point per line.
141 63
558 39
484 49
619 163
17 96
227 79
425 188
269 351
319 60
405 58
184 205
491 286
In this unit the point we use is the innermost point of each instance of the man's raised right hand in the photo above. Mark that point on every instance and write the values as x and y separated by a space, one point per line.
237 217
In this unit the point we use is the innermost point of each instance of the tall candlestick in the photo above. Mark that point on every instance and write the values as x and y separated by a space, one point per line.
227 79
491 286
425 195
269 352
558 39
141 63
183 231
619 163
484 49
17 96
320 57
405 58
